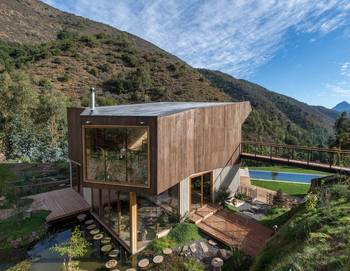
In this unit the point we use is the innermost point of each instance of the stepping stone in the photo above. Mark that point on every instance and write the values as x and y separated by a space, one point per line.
106 240
114 253
98 236
115 270
88 222
167 251
212 243
224 254
204 247
193 248
94 231
81 217
144 263
158 259
216 263
130 269
106 248
185 248
111 264
91 227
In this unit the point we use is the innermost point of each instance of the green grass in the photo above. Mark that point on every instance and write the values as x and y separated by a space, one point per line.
289 169
181 234
15 227
277 216
231 208
293 189
312 239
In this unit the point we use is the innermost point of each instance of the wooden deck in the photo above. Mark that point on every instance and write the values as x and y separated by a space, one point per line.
61 203
232 229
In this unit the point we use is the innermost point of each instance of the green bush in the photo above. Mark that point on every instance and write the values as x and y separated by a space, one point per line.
183 233
193 265
64 77
130 60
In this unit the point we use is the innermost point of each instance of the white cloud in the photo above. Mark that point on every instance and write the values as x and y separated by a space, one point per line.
233 36
339 90
345 69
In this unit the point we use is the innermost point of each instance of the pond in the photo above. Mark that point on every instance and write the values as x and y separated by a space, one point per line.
44 259
283 176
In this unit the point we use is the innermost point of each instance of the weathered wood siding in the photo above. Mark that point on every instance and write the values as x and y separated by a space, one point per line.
74 134
198 140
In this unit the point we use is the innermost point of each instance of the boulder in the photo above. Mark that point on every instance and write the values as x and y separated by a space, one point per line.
224 254
204 247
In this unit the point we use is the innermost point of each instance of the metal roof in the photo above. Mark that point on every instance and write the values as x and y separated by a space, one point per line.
148 109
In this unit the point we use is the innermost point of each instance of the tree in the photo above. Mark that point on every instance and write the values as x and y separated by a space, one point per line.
342 132
76 247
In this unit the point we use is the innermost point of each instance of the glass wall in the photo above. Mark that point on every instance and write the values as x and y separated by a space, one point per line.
118 155
113 209
156 215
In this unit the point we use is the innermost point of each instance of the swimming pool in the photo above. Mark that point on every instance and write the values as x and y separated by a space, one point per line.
283 176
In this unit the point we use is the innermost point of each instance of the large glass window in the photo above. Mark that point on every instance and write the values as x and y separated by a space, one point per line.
118 155
113 209
156 215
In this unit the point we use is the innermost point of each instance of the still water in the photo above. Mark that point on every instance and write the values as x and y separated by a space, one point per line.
44 259
283 176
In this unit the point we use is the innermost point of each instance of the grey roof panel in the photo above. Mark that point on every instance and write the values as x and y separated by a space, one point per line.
148 109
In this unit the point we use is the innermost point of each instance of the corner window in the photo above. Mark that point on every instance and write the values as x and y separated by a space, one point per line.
117 155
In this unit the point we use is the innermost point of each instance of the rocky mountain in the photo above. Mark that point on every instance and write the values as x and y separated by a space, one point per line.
341 107
50 59
276 117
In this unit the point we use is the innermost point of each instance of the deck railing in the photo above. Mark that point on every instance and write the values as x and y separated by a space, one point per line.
332 158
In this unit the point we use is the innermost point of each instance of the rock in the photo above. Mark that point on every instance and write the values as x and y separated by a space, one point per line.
184 248
224 254
193 248
158 259
144 263
216 263
212 243
204 247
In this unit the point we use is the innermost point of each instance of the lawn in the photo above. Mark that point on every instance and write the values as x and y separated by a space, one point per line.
289 169
293 189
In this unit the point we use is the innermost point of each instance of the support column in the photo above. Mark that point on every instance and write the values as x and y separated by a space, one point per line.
133 222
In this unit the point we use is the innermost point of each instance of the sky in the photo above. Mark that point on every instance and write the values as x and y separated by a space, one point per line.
299 48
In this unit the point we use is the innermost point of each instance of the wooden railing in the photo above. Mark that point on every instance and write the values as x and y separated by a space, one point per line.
307 156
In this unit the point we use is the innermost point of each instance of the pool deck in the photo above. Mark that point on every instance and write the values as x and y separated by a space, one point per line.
232 229
61 203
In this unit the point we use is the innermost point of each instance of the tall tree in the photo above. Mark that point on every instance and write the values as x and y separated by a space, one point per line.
342 131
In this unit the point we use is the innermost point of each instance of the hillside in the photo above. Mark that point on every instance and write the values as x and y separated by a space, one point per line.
316 237
276 118
50 59
341 107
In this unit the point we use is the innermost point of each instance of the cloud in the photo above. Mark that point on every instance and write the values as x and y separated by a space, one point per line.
232 36
345 69
338 90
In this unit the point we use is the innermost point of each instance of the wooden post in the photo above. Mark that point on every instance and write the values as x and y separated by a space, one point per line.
133 222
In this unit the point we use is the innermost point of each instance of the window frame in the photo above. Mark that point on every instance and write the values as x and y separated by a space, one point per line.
95 182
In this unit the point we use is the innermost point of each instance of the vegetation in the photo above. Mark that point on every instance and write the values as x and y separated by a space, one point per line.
275 117
277 215
19 228
314 238
342 132
293 189
6 176
287 169
238 261
76 247
21 266
181 234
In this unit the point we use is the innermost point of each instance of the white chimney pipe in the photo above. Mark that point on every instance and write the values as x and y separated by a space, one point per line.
92 99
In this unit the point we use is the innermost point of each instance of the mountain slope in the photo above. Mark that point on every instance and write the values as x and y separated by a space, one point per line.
276 117
50 59
341 107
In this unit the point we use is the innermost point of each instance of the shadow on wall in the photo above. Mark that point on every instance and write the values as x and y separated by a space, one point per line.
226 179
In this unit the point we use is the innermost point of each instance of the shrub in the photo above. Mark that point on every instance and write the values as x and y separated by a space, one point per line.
89 41
184 233
279 199
193 265
64 78
311 202
130 60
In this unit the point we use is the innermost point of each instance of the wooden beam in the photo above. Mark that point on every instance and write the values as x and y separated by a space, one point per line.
133 222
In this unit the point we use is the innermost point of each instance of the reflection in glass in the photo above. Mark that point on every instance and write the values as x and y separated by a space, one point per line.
118 154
